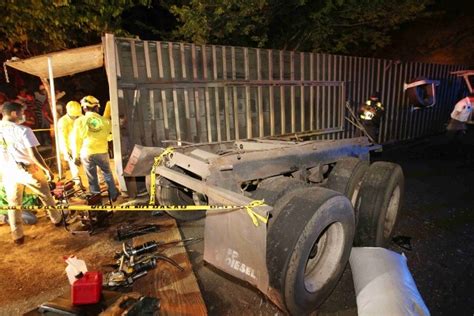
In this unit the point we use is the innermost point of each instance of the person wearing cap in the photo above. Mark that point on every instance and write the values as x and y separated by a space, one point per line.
65 125
90 133
23 166
371 113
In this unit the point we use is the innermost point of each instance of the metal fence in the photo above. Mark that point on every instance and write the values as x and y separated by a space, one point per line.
208 93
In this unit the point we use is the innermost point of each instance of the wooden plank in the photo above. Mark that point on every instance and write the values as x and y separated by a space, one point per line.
227 111
259 97
432 127
144 137
292 93
159 59
302 103
155 125
150 133
341 92
333 103
111 65
134 59
175 95
311 92
440 93
187 132
206 95
177 290
235 98
401 107
434 115
347 84
404 129
412 73
164 103
282 96
116 54
164 108
198 83
216 95
146 126
395 104
323 96
318 95
248 112
197 106
146 48
270 93
351 89
334 97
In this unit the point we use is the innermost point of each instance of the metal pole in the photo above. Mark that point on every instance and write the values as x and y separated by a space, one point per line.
55 115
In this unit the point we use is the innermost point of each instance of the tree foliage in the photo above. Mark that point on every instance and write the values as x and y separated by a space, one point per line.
336 26
30 27
236 22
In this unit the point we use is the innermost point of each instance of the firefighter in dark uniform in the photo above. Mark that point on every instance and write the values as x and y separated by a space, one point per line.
371 113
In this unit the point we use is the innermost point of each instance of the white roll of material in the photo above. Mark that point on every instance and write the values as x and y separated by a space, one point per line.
383 284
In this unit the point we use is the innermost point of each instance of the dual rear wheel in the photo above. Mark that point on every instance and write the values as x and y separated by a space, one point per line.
312 229
376 193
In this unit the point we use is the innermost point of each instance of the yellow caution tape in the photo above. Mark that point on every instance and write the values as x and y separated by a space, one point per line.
249 208
175 208
254 215
156 163
151 205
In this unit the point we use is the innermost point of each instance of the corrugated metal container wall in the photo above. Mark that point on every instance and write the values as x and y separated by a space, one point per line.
207 93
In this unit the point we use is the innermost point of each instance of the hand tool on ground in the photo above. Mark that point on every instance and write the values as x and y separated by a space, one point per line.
128 232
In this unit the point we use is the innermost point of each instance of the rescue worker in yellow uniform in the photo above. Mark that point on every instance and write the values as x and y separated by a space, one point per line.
65 126
90 135
371 113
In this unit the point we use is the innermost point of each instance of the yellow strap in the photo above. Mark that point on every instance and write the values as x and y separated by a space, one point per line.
156 163
254 215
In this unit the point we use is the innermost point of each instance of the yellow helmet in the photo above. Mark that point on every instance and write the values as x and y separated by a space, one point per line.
73 108
89 101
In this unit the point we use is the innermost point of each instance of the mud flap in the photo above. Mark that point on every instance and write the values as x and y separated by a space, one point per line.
233 244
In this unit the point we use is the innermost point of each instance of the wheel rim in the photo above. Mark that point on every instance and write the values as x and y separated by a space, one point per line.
324 257
391 214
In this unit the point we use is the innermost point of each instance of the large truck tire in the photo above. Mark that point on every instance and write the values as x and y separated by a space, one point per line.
271 190
346 177
170 193
308 246
378 204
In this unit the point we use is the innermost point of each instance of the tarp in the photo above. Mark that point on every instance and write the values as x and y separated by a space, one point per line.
383 284
65 63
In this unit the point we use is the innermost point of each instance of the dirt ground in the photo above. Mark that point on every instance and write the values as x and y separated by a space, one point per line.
438 215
